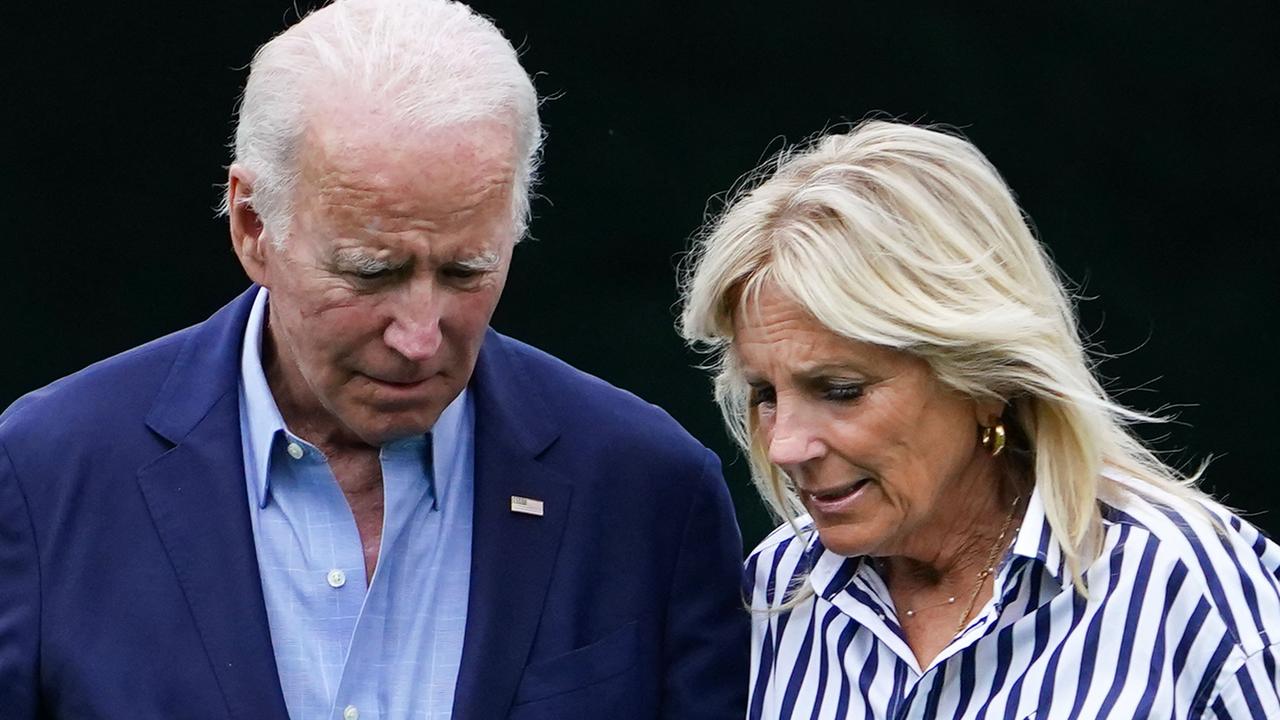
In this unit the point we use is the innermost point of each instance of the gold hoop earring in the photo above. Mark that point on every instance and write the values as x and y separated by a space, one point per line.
993 438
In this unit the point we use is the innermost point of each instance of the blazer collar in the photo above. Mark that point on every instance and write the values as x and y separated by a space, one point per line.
196 495
205 369
512 553
510 397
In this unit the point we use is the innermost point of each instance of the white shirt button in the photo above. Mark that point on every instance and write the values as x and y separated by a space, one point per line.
351 713
295 451
337 579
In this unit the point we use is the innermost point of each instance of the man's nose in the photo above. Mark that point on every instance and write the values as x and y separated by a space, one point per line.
414 331
793 439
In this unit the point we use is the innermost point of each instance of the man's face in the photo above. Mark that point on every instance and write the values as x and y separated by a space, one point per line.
397 255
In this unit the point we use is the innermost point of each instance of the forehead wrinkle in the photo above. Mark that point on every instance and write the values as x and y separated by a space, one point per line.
750 311
821 351
378 210
348 164
485 190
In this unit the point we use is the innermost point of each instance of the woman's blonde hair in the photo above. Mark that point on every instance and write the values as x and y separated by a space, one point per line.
907 237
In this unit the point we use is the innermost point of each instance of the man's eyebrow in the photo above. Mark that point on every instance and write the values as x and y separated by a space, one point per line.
480 263
364 260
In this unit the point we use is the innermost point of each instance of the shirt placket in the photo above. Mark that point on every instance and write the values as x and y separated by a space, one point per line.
866 600
359 695
333 583
911 707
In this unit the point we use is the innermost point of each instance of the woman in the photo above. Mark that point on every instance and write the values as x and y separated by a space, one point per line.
970 529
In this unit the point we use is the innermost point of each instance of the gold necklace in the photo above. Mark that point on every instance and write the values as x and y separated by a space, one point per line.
988 569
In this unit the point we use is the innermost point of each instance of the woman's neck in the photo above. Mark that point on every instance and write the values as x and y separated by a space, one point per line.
953 544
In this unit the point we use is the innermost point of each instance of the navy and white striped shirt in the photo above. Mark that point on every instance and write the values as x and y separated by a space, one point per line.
1180 622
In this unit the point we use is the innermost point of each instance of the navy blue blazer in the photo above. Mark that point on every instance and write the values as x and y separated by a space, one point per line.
129 584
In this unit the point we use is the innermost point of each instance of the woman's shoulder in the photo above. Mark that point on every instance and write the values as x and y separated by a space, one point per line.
1193 529
1222 565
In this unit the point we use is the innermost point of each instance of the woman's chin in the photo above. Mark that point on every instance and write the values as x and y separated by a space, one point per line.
850 538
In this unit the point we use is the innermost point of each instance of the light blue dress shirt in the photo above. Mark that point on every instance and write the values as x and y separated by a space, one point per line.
346 649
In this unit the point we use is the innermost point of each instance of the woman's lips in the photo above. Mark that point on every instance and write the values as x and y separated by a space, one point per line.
837 499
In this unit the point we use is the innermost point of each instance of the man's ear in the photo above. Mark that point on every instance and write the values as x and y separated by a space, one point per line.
248 236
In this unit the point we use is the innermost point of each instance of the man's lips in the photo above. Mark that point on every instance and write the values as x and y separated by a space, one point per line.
398 382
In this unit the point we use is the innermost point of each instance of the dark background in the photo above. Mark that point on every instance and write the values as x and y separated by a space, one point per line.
1141 139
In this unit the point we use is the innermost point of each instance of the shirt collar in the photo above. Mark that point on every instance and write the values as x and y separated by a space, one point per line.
829 573
1035 540
262 418
264 425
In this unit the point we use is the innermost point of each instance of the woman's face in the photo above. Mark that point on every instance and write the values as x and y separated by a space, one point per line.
884 457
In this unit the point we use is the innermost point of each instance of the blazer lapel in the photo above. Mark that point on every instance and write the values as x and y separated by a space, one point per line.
197 499
512 554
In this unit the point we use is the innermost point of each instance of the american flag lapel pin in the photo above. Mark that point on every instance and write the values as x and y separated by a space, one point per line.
527 506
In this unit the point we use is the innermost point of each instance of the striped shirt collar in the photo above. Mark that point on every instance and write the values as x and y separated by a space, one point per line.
1035 541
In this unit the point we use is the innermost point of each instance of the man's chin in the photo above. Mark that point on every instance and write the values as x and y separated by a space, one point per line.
376 428
378 419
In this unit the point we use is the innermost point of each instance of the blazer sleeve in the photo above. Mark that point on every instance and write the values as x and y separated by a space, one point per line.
708 628
19 599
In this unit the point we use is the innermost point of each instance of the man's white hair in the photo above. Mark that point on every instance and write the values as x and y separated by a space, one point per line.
426 64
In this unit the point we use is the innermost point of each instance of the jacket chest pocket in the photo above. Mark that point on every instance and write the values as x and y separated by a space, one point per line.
581 668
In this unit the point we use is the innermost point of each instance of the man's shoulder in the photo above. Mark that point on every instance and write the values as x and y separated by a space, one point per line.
590 409
564 378
113 396
95 398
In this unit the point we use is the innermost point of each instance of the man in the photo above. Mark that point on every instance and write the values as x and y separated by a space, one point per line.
343 496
